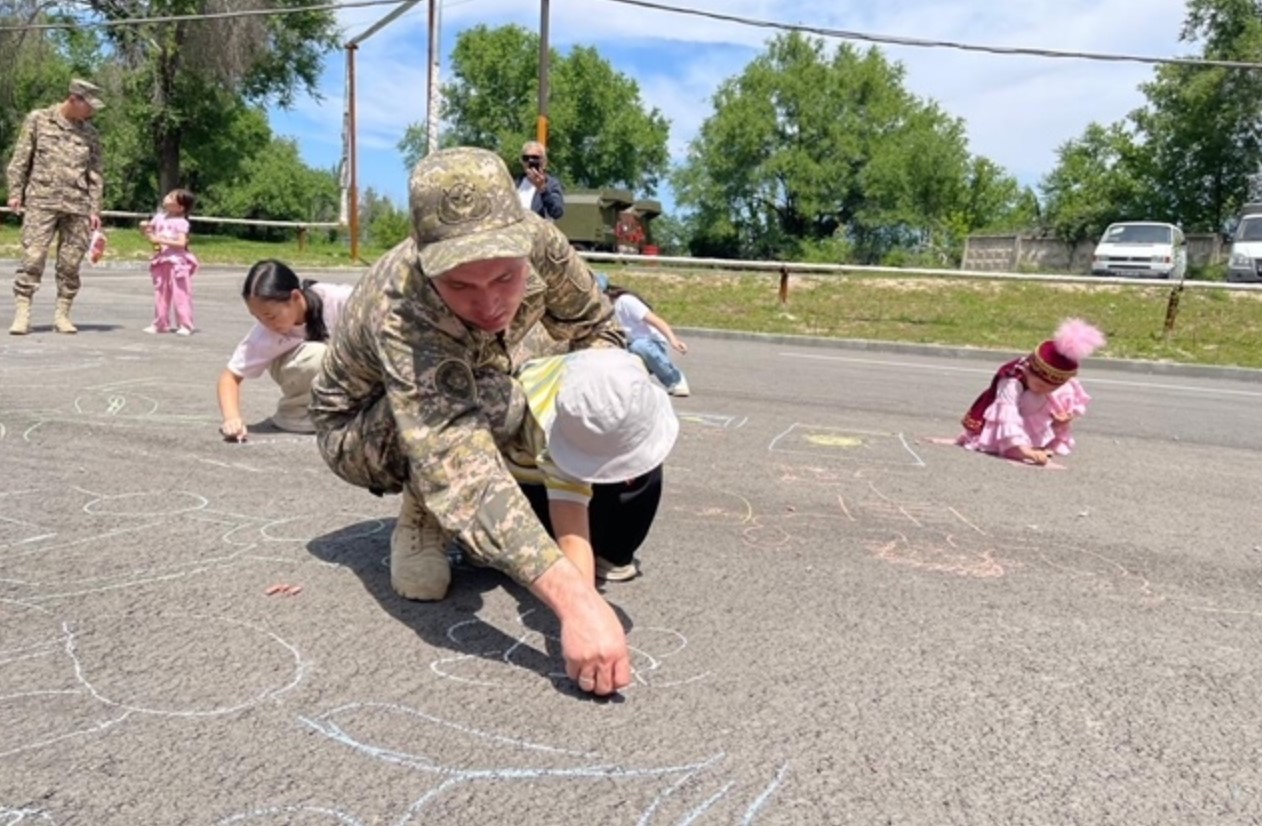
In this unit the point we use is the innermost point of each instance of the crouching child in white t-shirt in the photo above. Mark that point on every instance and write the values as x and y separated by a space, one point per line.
293 320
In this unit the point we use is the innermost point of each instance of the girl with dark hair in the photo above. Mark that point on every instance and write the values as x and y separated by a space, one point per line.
293 320
172 266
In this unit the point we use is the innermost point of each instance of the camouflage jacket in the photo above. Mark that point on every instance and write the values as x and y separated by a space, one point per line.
397 339
57 164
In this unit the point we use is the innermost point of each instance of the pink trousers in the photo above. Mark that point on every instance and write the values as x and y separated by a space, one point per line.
173 289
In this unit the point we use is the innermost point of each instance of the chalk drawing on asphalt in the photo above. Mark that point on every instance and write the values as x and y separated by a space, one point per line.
455 758
866 446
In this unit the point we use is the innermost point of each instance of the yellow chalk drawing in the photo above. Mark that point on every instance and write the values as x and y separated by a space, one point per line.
834 441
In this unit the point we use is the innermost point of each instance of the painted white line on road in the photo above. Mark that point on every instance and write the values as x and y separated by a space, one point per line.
1089 379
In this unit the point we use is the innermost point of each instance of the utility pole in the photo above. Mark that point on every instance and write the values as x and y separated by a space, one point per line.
433 101
351 129
541 134
352 195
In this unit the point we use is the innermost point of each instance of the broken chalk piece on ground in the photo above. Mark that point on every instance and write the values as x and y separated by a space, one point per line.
275 589
293 590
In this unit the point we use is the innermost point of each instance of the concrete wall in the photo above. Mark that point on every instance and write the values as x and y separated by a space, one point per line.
1029 253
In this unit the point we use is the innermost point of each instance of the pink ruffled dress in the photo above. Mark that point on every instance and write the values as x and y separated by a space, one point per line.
1019 417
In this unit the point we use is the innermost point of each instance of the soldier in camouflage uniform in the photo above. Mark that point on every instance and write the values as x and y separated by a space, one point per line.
415 394
56 179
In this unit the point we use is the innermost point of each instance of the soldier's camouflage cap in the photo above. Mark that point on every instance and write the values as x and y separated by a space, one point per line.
90 92
465 208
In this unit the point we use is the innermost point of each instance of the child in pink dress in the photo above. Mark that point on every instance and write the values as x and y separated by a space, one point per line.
172 266
1027 412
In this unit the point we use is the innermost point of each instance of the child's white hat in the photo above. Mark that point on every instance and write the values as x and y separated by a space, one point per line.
612 423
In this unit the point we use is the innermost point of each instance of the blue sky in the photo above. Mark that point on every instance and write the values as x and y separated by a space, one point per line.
1017 109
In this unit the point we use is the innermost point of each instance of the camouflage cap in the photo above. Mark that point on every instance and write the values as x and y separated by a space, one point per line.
90 92
465 208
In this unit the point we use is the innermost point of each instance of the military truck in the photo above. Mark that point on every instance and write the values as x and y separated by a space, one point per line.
609 220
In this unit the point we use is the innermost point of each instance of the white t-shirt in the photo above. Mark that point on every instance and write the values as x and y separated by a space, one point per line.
261 346
526 192
631 313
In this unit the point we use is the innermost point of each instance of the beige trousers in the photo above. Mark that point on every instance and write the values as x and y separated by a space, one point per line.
294 372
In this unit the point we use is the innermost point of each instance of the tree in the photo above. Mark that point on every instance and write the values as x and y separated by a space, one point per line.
387 224
180 77
1187 154
600 132
35 67
1099 178
810 152
1201 126
994 200
670 234
276 185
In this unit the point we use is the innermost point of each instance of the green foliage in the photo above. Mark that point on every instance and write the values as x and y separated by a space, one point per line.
836 249
389 228
806 145
178 77
993 200
185 103
1184 157
35 70
275 184
1201 126
600 133
670 233
386 223
1207 272
1099 178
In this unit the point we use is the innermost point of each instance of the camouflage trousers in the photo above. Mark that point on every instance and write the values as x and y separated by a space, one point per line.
364 448
39 229
366 451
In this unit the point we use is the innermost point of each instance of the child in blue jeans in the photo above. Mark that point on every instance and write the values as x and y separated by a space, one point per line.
648 335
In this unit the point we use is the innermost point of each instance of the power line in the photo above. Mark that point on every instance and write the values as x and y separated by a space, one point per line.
179 18
924 43
841 34
405 8
390 17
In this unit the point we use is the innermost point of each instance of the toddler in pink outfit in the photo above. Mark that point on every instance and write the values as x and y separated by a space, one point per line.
1027 412
172 266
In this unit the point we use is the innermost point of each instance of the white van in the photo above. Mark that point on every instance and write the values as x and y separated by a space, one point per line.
1246 247
1141 248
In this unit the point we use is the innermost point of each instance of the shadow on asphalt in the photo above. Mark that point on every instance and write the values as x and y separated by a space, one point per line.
366 553
39 329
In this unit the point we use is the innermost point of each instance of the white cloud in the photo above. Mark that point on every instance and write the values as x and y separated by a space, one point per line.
1017 109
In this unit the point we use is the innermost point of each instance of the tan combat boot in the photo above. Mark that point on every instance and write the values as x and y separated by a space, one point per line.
418 559
21 317
61 318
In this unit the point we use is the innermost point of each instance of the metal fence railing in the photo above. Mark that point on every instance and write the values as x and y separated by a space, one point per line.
302 227
797 268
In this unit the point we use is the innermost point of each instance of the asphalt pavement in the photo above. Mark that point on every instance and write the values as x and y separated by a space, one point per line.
841 619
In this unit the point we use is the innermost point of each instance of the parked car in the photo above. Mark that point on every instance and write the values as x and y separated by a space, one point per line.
1246 246
1141 248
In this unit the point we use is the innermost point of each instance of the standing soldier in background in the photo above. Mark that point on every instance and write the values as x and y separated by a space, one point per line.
56 179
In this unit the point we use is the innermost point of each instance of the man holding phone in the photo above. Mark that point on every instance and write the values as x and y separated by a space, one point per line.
539 192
